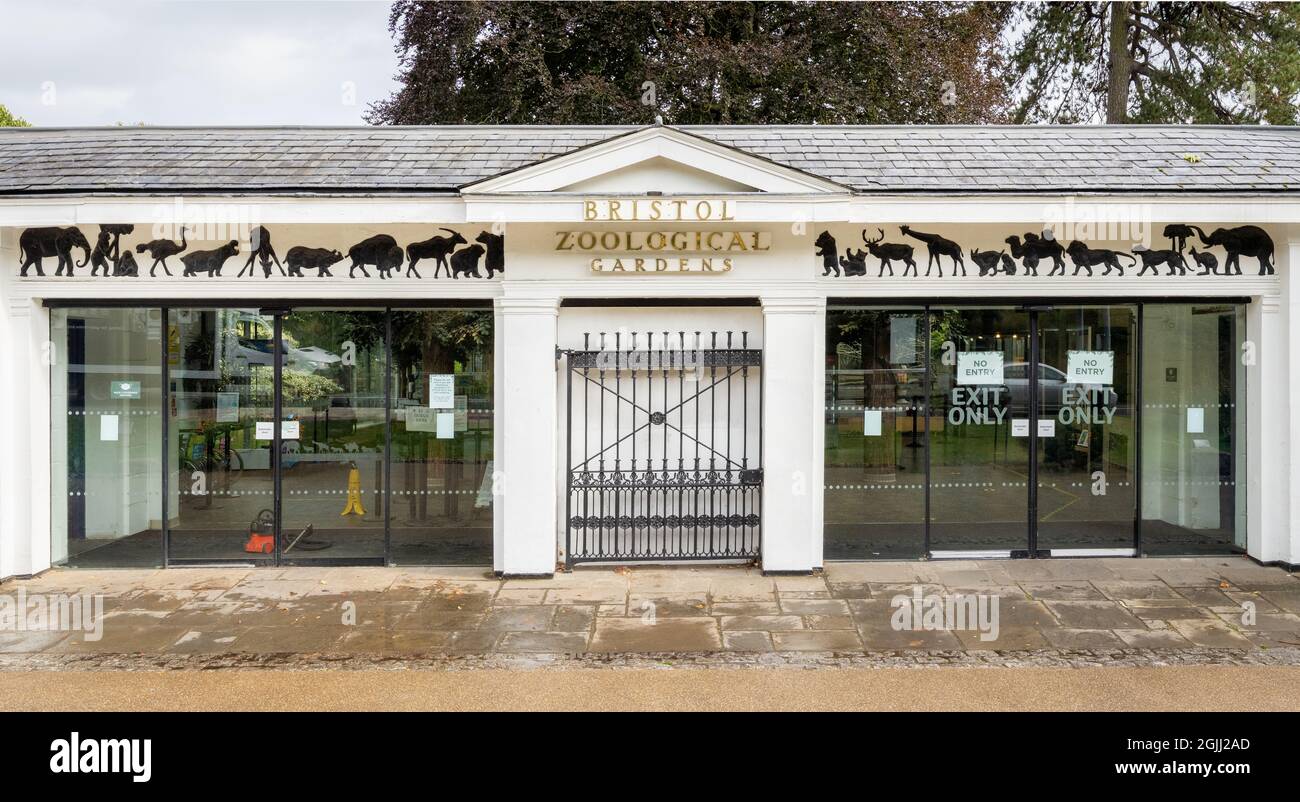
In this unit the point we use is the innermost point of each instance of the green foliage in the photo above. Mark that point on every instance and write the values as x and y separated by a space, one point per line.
1183 62
8 120
698 62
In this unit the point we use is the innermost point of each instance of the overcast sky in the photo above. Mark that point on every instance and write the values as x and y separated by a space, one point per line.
208 62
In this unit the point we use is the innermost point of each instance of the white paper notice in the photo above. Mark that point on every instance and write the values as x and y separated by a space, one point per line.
1047 427
107 427
979 367
1019 427
1090 367
446 425
1195 420
871 423
442 391
265 430
289 430
420 419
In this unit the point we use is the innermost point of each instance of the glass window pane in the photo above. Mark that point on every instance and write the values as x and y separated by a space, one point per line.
1193 429
221 488
106 430
875 461
332 435
979 493
442 437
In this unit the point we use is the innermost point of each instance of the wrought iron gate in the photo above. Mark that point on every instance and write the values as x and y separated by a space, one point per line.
665 449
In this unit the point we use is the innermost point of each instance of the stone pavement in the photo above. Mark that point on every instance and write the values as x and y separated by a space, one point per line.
1107 610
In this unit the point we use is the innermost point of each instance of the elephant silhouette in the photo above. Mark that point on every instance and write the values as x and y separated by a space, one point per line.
35 244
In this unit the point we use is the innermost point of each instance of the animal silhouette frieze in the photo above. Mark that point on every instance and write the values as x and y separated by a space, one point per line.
991 263
466 261
108 253
1241 241
437 248
380 250
889 252
35 244
853 262
1086 258
260 249
1035 249
1178 234
318 259
1208 262
160 249
1152 259
494 255
209 262
828 252
937 246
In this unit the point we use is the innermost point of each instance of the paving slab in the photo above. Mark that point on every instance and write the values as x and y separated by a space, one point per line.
1153 639
543 642
747 641
1211 634
1083 638
1135 589
664 635
1062 590
817 641
1093 615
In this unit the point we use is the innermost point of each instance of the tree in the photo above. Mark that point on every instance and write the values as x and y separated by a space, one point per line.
695 63
1156 62
8 120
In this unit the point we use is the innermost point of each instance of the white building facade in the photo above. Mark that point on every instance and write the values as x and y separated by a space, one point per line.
537 348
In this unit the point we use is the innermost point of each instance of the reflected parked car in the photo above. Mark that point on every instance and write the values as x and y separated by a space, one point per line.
1051 387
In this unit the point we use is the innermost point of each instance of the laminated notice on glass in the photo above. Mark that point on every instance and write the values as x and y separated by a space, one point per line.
979 367
1090 367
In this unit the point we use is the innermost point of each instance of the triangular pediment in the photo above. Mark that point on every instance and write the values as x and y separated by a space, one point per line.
655 159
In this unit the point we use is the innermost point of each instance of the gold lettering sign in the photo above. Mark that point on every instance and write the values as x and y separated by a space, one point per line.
654 242
661 264
658 210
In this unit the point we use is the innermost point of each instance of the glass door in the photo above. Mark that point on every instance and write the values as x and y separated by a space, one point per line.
333 435
1086 501
1032 431
220 474
979 437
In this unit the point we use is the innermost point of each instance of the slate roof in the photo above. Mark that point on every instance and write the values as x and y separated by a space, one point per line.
868 159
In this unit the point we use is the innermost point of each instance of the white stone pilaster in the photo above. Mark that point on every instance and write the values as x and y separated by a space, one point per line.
1270 475
526 426
793 387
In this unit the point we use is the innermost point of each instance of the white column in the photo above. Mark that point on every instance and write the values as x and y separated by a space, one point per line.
793 390
25 431
526 426
1288 539
1270 463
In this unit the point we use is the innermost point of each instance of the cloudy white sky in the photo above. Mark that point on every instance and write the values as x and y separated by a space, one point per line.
207 62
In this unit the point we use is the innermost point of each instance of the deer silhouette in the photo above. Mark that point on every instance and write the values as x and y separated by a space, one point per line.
887 252
160 249
937 246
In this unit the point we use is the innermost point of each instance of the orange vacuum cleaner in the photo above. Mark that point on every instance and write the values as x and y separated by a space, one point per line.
261 533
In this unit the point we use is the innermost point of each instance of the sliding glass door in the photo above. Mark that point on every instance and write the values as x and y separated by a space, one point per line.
980 399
